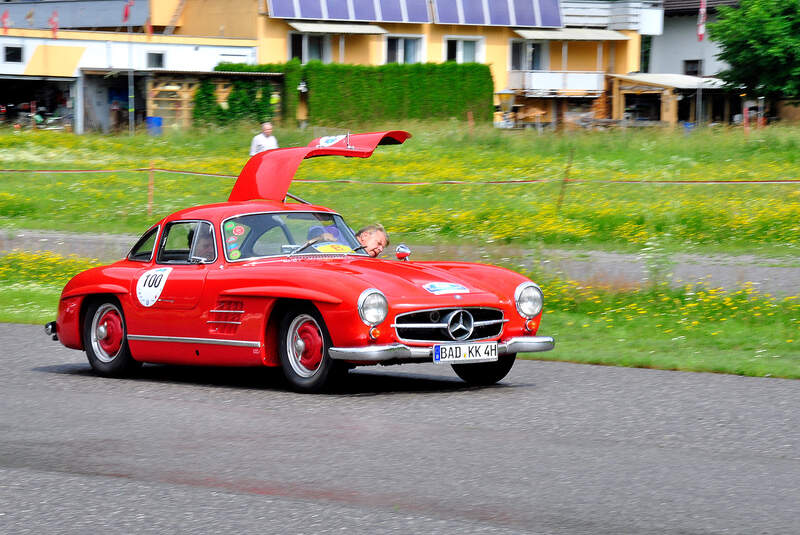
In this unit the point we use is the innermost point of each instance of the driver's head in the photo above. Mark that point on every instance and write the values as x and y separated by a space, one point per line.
205 246
374 238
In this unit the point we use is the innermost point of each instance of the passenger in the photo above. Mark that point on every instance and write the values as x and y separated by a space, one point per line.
329 233
373 238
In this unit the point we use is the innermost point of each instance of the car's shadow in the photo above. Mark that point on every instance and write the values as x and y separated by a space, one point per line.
364 381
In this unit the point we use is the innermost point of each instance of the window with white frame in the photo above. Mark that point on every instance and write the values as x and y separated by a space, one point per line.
12 54
464 49
526 56
403 49
310 46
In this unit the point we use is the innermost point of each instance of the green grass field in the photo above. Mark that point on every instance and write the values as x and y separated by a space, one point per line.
689 329
735 218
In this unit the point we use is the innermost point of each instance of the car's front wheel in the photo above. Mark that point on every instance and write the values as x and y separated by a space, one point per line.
105 339
303 351
485 373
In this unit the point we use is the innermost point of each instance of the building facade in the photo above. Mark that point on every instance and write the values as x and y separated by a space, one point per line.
554 55
678 49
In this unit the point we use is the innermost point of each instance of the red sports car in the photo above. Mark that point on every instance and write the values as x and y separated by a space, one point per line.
258 281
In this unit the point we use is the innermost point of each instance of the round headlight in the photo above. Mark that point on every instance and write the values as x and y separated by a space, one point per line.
529 299
372 307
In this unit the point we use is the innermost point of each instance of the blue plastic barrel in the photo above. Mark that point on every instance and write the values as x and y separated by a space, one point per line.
153 125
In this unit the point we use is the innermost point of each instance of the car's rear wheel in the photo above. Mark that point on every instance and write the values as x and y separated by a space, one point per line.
105 339
485 373
303 350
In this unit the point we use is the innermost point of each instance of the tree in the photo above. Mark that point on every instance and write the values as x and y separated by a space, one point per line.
760 41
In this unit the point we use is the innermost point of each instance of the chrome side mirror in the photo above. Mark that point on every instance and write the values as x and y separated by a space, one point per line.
402 252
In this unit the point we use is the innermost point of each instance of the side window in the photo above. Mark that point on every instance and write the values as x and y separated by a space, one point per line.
143 250
204 250
187 242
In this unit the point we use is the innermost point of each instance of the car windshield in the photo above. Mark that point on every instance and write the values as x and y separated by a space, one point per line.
285 233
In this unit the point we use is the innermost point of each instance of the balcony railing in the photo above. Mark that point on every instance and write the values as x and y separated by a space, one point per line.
557 83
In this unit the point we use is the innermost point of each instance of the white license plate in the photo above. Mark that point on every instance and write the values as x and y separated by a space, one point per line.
457 353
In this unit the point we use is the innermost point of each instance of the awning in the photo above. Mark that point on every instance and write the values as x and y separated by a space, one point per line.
572 34
678 81
337 28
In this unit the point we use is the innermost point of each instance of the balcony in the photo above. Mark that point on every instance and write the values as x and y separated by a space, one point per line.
557 83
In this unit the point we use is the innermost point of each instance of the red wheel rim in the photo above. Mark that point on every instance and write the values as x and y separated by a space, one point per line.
305 346
112 341
311 357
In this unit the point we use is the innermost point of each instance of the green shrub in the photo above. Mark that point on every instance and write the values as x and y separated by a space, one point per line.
347 94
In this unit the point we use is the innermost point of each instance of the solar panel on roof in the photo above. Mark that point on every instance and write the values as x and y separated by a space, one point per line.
498 13
337 10
364 10
534 13
391 11
352 10
550 13
446 12
282 8
525 14
473 12
417 11
310 9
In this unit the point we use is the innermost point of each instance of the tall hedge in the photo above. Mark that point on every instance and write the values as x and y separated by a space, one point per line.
340 93
292 75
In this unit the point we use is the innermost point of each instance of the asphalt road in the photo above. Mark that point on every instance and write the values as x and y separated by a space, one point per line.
554 449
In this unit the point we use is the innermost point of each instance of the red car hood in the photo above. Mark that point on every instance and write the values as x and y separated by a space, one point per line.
401 282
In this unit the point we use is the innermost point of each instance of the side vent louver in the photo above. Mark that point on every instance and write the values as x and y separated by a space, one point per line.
225 317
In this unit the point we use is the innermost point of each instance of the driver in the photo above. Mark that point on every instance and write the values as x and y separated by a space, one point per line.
204 248
373 238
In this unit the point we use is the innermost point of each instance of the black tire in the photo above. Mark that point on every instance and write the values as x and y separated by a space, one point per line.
105 339
303 344
485 373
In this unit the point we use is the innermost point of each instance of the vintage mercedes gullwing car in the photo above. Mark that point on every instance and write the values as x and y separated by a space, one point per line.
259 281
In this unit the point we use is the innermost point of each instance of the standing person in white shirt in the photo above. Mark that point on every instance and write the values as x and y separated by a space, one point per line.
263 141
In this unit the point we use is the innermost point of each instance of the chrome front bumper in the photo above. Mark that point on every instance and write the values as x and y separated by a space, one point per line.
404 353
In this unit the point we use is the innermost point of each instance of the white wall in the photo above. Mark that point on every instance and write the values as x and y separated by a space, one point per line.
678 43
115 54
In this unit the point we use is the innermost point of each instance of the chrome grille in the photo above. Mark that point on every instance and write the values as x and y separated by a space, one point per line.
432 325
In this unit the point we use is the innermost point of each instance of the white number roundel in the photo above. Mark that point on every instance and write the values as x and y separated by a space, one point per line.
150 284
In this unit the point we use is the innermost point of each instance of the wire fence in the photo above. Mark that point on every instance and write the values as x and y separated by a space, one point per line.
414 183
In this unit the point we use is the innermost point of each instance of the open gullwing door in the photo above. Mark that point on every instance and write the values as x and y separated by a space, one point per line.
267 175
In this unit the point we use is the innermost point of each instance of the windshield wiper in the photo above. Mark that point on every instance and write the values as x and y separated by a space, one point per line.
360 248
307 244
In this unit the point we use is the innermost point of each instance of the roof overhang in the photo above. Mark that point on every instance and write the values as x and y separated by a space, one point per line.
675 81
38 78
338 28
222 74
571 34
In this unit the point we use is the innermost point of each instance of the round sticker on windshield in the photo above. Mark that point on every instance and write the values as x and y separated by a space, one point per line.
229 225
238 230
235 254
150 285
